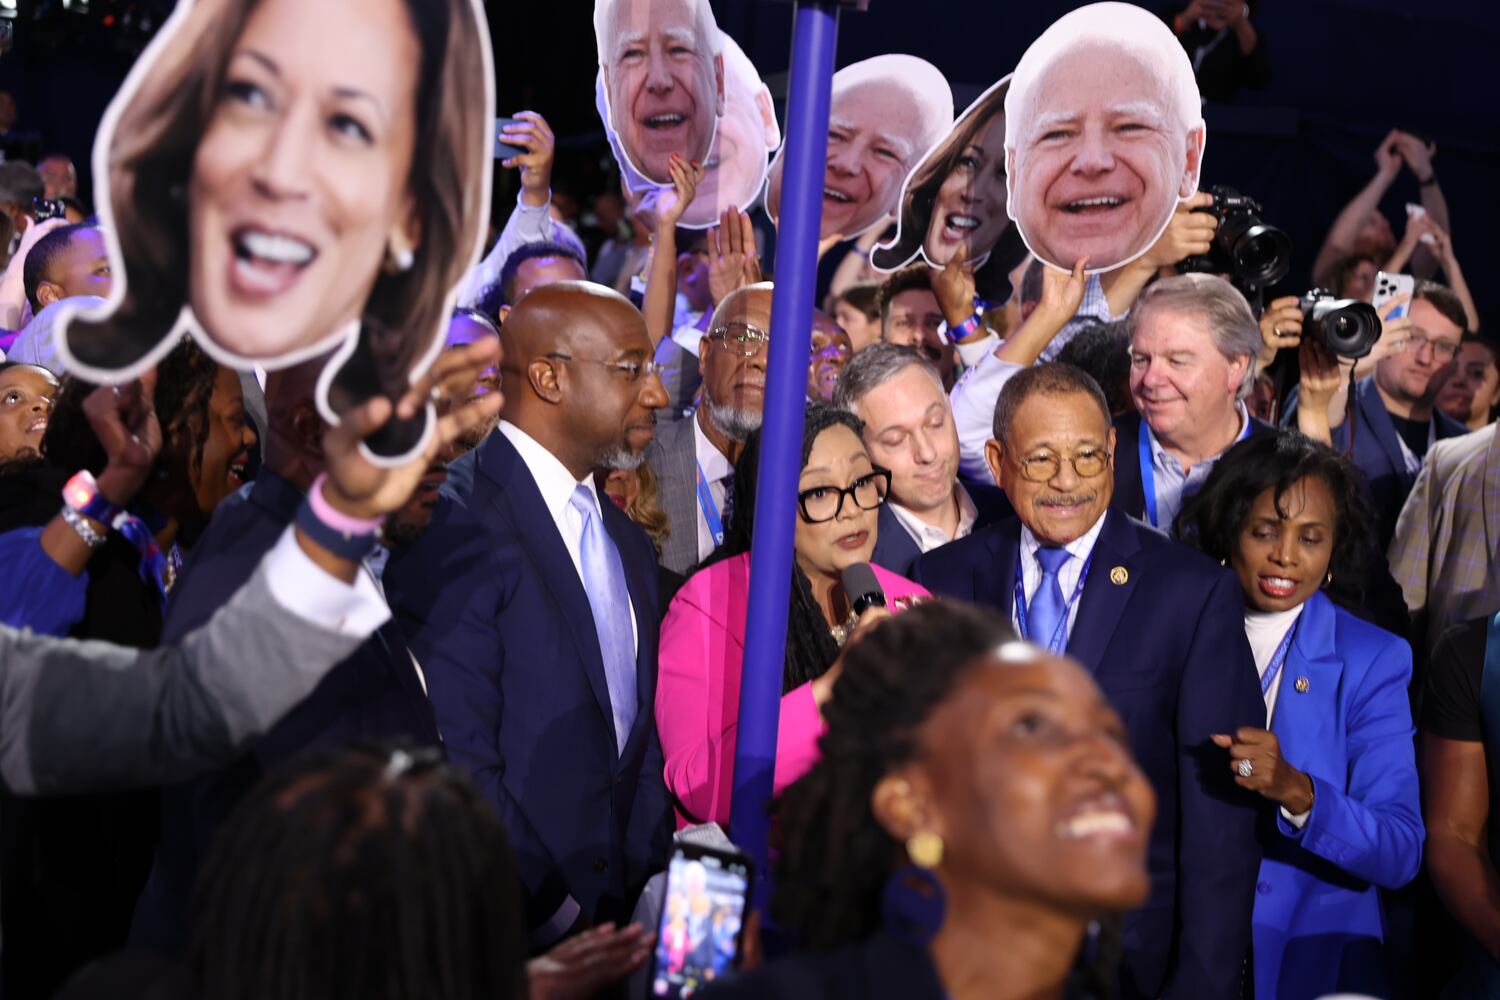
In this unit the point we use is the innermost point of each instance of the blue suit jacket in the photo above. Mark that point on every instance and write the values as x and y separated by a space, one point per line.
896 550
1377 452
499 618
1318 925
373 696
1168 647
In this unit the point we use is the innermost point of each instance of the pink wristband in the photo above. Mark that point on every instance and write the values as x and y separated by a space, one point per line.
334 519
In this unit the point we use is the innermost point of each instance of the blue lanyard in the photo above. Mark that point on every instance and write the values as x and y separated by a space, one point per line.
710 509
1278 658
1057 643
1148 467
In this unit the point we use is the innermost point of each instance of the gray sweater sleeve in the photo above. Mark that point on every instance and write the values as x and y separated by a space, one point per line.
81 716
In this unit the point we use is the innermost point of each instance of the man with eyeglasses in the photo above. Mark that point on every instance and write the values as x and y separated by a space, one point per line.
1395 420
533 609
1161 627
694 459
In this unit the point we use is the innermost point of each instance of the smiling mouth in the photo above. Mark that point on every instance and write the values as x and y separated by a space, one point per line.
1277 586
961 225
1094 206
267 263
665 120
37 426
838 197
238 473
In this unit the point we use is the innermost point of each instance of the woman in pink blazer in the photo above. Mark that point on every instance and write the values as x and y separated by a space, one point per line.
703 635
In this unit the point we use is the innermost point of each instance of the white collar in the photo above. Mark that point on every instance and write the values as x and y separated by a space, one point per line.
553 479
713 461
1276 622
920 529
1079 548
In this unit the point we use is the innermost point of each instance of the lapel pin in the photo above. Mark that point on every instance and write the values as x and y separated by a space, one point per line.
1118 576
1303 685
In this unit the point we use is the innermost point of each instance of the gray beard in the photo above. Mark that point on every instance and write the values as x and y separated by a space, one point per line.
737 425
621 459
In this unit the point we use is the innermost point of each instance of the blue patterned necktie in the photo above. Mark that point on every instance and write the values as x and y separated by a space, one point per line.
609 598
1047 608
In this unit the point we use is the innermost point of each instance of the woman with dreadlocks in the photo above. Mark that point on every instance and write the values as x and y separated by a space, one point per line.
703 635
976 812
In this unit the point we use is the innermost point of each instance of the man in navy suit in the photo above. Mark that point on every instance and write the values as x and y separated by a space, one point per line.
533 610
1193 342
1162 629
375 695
1394 418
909 430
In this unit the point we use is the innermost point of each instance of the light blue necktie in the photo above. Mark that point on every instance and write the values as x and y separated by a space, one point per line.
1047 608
604 582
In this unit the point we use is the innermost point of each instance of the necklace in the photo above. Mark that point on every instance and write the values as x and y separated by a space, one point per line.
844 629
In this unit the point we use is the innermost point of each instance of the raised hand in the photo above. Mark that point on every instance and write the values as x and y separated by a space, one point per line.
674 201
1417 154
733 261
1388 154
1062 291
358 487
123 418
533 134
954 287
1188 233
1280 326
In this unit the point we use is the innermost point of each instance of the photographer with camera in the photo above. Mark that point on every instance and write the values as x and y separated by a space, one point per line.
1393 421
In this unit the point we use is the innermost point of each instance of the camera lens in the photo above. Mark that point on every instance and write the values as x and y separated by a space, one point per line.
1262 254
1346 327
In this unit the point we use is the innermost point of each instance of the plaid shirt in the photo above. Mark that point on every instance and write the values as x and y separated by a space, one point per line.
1446 550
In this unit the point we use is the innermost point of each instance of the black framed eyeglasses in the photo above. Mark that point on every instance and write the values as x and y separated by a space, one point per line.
741 338
824 503
1087 464
633 371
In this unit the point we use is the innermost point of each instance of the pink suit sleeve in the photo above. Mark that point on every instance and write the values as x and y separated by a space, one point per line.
697 709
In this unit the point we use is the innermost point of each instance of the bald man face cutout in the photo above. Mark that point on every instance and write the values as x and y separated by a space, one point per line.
1101 157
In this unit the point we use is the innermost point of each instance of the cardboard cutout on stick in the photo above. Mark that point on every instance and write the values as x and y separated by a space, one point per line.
885 113
735 171
955 200
280 198
1104 136
663 80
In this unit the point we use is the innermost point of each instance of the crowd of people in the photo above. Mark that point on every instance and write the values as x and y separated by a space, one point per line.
1182 683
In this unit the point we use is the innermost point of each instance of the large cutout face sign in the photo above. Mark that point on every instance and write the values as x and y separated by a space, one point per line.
735 171
954 203
1104 136
278 197
885 113
663 79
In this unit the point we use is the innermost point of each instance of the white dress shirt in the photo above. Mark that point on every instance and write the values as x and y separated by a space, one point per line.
1265 630
556 485
310 592
715 468
1067 577
928 536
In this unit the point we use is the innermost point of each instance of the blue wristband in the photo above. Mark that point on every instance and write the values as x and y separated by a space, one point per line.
967 328
346 546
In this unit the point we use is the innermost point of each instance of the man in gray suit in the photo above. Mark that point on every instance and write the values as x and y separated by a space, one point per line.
694 459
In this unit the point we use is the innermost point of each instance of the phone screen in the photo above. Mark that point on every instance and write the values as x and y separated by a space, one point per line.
703 914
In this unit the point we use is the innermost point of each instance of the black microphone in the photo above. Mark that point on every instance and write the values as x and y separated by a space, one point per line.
863 588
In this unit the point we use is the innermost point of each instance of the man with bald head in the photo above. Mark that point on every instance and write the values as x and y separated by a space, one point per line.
732 360
533 610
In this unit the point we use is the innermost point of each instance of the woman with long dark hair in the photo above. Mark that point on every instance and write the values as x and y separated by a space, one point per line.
1335 762
975 814
703 635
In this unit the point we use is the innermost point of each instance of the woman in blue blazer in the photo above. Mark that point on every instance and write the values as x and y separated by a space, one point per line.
1336 760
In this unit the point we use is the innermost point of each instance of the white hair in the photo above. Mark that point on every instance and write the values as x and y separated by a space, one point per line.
925 86
1122 26
703 20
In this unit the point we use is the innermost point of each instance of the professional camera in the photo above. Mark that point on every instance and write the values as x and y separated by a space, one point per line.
1252 253
1347 327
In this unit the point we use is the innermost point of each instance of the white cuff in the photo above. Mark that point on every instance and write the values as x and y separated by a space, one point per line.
521 206
552 931
305 589
973 353
1299 820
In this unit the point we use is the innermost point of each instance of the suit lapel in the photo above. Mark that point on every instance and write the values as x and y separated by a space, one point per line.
1304 710
677 483
511 492
895 549
1103 601
1130 494
1378 421
643 604
995 578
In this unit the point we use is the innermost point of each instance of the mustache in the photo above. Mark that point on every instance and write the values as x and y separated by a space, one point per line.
1066 500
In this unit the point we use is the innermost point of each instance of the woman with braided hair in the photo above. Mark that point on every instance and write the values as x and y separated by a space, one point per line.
975 811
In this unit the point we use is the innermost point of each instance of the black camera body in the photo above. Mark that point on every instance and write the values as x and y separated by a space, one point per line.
1346 327
1251 252
48 208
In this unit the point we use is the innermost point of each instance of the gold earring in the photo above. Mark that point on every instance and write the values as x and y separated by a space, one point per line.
925 849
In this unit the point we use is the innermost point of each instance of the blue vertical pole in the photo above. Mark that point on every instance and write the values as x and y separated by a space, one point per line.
801 212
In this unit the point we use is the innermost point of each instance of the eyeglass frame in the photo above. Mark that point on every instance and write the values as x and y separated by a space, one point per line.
1058 460
719 333
642 369
845 492
1415 338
